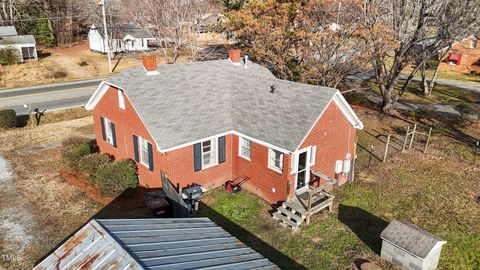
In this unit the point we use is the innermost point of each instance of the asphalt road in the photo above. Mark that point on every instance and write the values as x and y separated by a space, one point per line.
51 97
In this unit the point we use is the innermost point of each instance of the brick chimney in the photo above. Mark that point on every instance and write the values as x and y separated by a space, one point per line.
235 56
150 63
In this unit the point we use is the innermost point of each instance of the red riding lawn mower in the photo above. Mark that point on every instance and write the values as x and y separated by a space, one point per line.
234 185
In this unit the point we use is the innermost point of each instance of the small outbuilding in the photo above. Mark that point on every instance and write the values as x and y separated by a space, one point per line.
154 243
410 247
25 45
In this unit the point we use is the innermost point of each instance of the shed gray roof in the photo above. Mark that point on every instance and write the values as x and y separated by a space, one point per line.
8 31
193 243
410 237
22 39
189 102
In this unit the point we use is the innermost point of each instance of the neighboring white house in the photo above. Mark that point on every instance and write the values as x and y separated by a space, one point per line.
24 44
127 38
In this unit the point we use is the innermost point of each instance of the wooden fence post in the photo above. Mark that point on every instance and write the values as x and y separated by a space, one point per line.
385 153
309 207
406 138
428 140
413 135
371 154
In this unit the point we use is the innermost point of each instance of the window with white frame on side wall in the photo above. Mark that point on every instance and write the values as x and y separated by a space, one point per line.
245 148
275 160
108 131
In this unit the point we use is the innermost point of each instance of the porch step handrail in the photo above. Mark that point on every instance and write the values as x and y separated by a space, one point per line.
330 182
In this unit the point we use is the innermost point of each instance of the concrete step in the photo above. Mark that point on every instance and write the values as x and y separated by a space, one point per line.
285 220
298 219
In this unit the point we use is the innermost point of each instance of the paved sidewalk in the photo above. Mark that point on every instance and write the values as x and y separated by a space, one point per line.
472 86
438 109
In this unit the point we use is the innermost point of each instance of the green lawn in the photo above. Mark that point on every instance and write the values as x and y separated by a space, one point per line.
438 191
442 94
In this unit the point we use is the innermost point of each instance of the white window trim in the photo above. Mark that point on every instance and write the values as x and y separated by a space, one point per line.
240 140
142 160
273 167
214 148
108 131
121 99
473 44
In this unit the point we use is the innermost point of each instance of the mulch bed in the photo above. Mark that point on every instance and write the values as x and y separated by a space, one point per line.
133 200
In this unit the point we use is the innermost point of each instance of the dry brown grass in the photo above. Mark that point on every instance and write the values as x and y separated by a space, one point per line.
79 63
49 208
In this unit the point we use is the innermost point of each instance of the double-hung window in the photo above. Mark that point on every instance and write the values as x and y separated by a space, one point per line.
275 160
108 130
143 152
245 148
144 158
473 44
209 153
209 157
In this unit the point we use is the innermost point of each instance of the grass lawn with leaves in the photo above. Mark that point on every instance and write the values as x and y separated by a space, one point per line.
442 94
438 191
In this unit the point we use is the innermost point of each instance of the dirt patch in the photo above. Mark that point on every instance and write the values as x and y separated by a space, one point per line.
132 200
81 182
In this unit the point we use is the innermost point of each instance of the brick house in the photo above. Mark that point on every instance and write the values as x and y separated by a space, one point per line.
464 56
208 122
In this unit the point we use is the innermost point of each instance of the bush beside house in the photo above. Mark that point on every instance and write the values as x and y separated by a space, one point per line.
117 177
8 56
110 177
8 118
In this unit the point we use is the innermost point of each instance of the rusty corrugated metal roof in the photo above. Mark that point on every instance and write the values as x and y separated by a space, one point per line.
90 248
186 243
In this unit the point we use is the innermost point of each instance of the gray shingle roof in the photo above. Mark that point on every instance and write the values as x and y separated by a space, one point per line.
8 31
410 237
189 102
23 39
158 243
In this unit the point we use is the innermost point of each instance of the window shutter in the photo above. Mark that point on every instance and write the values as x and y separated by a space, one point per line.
313 155
135 148
114 135
150 157
221 149
197 157
102 123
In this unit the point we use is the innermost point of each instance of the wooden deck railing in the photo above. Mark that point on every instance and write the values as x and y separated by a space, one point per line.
318 190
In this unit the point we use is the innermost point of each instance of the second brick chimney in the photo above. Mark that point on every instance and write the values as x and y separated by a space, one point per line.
235 56
150 64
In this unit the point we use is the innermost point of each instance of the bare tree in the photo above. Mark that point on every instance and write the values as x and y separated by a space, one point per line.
336 46
459 21
8 11
172 22
415 30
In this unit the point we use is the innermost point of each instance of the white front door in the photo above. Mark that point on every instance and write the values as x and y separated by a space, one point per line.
303 170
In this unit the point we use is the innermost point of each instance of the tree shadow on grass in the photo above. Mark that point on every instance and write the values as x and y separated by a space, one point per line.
365 225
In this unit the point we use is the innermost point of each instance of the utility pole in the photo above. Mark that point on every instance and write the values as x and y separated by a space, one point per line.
107 44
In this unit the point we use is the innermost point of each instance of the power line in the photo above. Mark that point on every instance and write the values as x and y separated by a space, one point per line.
50 18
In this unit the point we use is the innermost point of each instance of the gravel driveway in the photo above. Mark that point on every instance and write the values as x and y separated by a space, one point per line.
16 221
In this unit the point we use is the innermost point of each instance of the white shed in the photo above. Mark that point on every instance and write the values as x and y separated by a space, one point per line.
126 38
410 247
24 44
